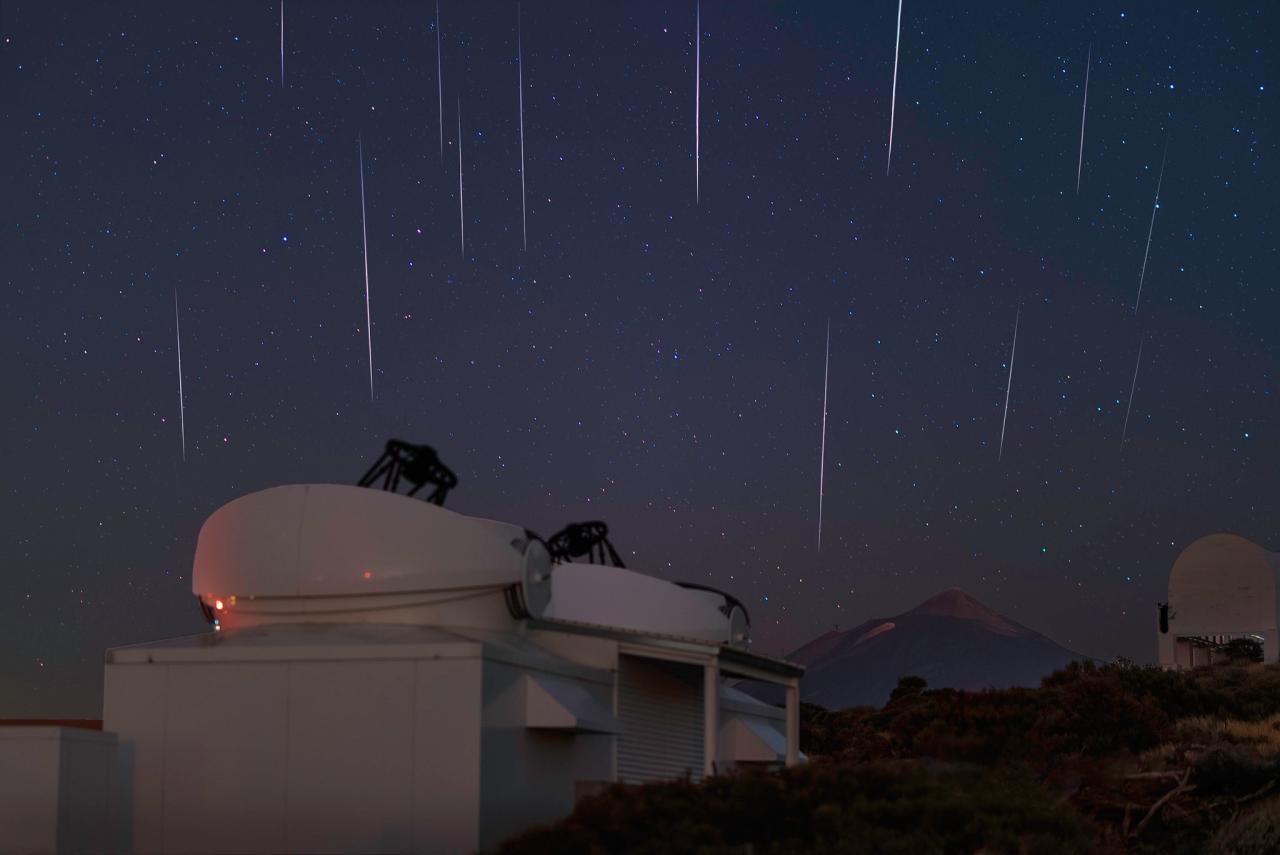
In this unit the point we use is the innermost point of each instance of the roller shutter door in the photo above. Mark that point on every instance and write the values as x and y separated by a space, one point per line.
660 709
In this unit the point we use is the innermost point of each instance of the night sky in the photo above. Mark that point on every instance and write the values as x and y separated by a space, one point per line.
650 360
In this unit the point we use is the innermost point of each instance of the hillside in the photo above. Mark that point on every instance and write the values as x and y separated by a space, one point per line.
951 640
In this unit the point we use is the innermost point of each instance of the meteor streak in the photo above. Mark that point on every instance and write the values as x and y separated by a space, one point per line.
1009 383
1154 206
1083 110
822 462
524 216
697 110
364 234
1132 387
893 100
462 223
182 409
281 44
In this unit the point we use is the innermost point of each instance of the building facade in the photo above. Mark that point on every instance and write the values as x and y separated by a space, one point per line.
385 675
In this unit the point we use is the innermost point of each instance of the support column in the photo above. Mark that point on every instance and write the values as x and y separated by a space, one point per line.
710 715
793 721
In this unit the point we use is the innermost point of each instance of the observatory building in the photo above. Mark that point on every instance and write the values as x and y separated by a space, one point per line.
383 674
1221 588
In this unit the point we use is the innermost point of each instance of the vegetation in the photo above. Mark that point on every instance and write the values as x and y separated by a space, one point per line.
1099 758
1244 650
880 807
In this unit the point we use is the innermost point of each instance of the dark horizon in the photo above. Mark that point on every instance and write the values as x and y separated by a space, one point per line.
655 358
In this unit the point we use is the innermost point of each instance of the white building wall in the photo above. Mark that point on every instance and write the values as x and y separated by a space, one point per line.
88 791
446 746
350 777
56 790
330 756
29 789
223 757
530 776
133 708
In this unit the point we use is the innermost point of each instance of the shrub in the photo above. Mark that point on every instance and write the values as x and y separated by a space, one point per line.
1244 650
1256 832
908 687
889 807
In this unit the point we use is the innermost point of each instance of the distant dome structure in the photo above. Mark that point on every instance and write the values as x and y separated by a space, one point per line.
1222 587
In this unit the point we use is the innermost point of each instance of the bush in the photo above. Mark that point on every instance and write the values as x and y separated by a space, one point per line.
1244 650
1082 711
1254 833
893 807
908 687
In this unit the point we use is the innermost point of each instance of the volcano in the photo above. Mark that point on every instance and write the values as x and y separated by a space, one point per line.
951 640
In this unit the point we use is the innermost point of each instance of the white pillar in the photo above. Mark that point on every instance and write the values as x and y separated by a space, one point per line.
710 715
793 721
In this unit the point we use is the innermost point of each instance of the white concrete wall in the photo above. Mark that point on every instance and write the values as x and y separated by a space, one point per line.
350 775
223 755
56 790
29 789
447 751
88 791
321 756
530 776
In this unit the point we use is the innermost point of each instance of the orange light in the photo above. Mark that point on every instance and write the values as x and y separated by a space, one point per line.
368 574
217 604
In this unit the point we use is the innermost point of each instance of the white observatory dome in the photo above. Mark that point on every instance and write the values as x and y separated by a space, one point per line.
1221 587
340 554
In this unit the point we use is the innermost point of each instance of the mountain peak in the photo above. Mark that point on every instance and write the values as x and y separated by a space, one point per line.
957 603
951 639
954 602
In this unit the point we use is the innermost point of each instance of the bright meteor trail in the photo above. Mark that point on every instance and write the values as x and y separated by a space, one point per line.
281 44
364 234
1009 383
1083 110
182 409
1151 228
1132 387
893 99
822 455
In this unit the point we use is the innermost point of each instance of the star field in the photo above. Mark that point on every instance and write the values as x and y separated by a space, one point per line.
652 360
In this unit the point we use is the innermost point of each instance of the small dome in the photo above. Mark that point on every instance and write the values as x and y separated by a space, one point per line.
1223 583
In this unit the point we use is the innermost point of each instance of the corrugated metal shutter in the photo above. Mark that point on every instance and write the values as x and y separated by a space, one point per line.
660 709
